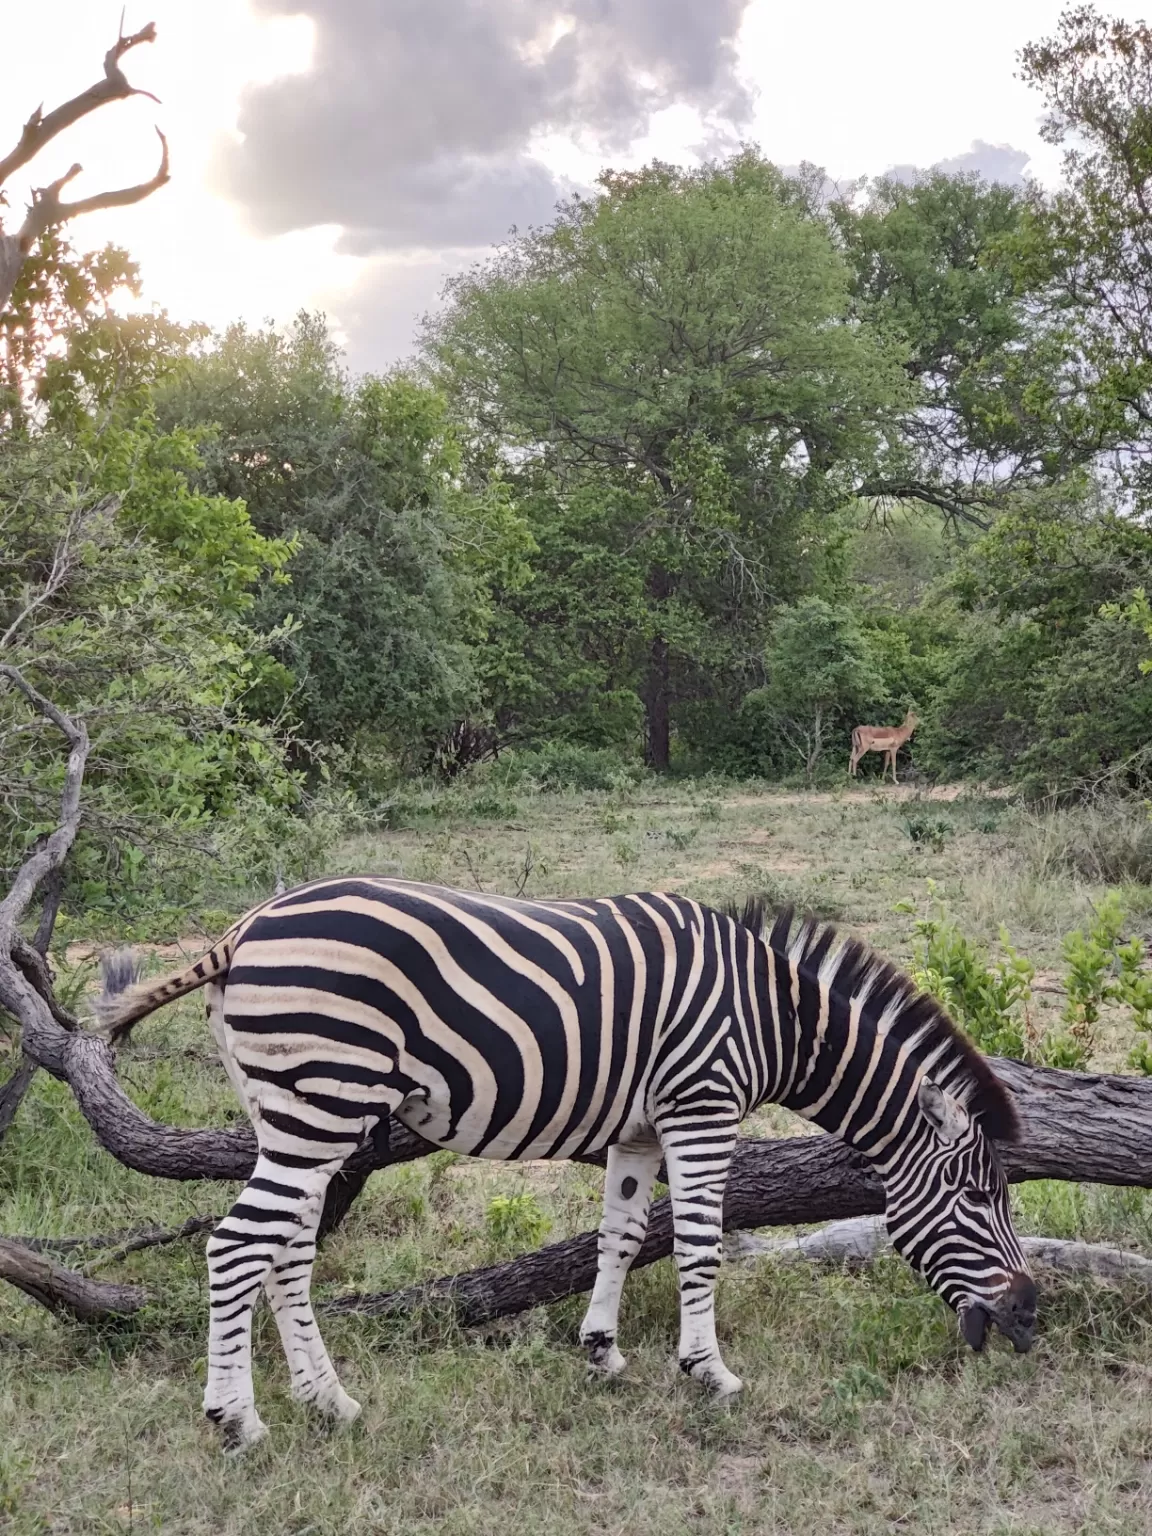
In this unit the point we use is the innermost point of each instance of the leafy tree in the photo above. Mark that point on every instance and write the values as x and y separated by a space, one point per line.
1088 249
935 263
1044 680
679 344
821 677
127 608
393 554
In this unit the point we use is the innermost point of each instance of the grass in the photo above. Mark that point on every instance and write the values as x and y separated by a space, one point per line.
862 1412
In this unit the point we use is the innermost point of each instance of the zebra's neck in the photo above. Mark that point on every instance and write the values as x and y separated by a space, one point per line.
847 1039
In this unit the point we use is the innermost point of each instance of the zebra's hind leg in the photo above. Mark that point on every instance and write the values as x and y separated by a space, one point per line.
698 1160
287 1287
276 1205
628 1185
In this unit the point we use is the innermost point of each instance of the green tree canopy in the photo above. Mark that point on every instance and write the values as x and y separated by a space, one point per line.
682 343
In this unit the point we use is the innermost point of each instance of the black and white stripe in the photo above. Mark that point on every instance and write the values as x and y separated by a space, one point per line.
645 1024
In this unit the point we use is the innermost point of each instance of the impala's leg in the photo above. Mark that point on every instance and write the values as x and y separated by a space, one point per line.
698 1164
627 1195
892 760
276 1205
287 1286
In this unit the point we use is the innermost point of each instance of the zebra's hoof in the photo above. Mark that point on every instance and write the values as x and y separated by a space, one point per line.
241 1433
725 1385
610 1363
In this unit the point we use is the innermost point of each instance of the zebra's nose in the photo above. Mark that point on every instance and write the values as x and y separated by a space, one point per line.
1016 1315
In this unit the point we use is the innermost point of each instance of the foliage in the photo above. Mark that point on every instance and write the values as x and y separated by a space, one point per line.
993 999
821 678
933 263
392 557
516 1223
931 830
127 609
1044 676
680 343
990 1000
1087 248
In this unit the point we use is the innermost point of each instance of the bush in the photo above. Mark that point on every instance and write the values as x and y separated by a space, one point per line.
562 765
1107 842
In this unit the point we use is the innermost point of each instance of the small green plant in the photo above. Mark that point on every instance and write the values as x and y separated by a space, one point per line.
1092 959
929 831
991 999
711 810
626 854
681 837
515 1223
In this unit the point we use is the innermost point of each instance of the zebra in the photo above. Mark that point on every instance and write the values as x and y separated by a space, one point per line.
646 1025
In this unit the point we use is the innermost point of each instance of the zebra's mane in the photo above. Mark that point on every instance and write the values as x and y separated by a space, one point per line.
917 1015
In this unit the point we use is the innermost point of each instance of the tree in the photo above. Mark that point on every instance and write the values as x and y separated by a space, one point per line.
1088 249
936 263
820 675
393 555
48 210
1044 680
681 344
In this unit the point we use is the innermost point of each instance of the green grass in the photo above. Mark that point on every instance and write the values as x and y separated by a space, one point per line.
862 1412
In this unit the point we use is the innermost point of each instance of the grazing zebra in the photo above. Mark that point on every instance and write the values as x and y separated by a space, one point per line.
645 1024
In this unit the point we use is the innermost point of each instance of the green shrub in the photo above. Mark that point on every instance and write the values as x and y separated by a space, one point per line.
931 831
562 765
515 1223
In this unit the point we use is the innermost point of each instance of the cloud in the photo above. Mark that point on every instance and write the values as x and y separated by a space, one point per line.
993 162
413 128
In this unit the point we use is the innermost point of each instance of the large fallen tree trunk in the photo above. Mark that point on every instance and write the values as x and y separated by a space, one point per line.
1085 1127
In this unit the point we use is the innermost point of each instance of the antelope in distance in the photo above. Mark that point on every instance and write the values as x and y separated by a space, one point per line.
881 738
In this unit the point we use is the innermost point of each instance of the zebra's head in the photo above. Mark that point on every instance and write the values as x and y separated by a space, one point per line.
948 1214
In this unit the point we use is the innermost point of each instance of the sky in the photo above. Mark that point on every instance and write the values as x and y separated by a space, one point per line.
347 155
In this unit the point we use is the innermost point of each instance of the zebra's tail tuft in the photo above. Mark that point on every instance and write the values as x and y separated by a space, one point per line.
126 999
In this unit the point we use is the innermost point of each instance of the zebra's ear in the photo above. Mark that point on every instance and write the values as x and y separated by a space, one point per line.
946 1115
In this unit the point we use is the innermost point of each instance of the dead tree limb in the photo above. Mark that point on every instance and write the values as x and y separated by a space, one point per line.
1082 1126
47 209
860 1239
65 1291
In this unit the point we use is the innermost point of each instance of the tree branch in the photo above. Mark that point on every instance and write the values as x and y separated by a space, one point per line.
47 209
63 1290
39 130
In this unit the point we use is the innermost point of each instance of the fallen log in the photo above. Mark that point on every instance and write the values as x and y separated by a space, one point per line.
64 1290
859 1240
1085 1127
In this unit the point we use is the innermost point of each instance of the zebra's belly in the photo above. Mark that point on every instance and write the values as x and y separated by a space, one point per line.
430 1117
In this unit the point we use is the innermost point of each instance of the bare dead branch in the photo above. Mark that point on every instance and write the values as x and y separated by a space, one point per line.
859 1240
40 129
39 864
48 210
65 1291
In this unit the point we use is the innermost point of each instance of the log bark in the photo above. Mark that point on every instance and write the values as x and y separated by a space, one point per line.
1086 1127
861 1238
65 1291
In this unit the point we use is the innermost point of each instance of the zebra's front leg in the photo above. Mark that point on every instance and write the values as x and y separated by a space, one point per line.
628 1182
698 1160
288 1287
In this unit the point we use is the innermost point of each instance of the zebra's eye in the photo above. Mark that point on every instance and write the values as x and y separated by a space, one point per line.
978 1197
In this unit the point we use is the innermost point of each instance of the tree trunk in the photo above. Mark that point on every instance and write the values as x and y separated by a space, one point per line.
1075 1125
657 688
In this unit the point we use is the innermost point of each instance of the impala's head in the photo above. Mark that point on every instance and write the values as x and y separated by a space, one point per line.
948 1214
911 720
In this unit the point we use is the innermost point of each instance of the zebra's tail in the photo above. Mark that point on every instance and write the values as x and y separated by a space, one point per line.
126 998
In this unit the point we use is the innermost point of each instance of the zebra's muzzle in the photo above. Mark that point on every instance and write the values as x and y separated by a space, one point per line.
1014 1314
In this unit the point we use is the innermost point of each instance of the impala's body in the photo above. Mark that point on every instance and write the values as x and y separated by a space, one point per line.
881 738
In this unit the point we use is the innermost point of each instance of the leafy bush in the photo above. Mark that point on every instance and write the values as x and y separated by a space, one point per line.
989 999
515 1223
564 765
933 831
